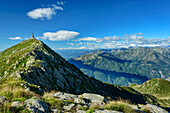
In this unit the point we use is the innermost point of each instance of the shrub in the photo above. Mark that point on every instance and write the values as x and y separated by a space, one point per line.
55 103
83 108
91 110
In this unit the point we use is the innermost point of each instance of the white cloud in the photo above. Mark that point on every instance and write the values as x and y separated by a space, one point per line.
91 39
44 13
71 48
70 43
57 7
61 35
15 38
115 38
135 37
149 45
88 39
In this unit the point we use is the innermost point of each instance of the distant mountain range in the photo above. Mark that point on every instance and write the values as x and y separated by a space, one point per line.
126 66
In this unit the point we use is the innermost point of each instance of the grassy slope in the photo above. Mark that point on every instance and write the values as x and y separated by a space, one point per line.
158 87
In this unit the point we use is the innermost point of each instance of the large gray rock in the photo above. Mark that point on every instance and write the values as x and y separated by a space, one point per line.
2 99
64 96
156 109
80 111
69 107
92 97
36 105
16 104
95 99
106 111
78 100
153 108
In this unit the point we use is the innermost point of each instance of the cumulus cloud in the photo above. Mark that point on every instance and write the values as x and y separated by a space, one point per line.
88 39
128 40
91 39
149 45
137 43
15 38
114 38
61 35
44 13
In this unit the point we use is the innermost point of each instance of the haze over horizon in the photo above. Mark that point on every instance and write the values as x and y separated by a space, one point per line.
75 24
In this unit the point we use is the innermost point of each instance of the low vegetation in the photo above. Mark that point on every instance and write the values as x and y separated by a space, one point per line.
159 88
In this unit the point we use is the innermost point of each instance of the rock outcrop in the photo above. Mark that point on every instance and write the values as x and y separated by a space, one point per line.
55 104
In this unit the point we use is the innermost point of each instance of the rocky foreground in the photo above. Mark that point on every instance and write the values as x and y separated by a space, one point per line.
60 102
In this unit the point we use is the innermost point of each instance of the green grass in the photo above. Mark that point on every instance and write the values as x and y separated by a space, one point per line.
116 106
6 108
53 102
157 87
15 58
83 108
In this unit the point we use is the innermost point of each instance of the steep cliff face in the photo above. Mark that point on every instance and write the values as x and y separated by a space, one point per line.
33 65
135 65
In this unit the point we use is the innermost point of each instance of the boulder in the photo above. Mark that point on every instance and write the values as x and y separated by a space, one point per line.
78 100
80 111
36 105
64 96
153 108
106 111
69 107
92 97
156 109
16 104
95 99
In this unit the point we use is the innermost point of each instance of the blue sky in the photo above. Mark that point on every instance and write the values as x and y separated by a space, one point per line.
85 24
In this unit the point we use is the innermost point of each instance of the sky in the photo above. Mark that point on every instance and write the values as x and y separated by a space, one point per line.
86 24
